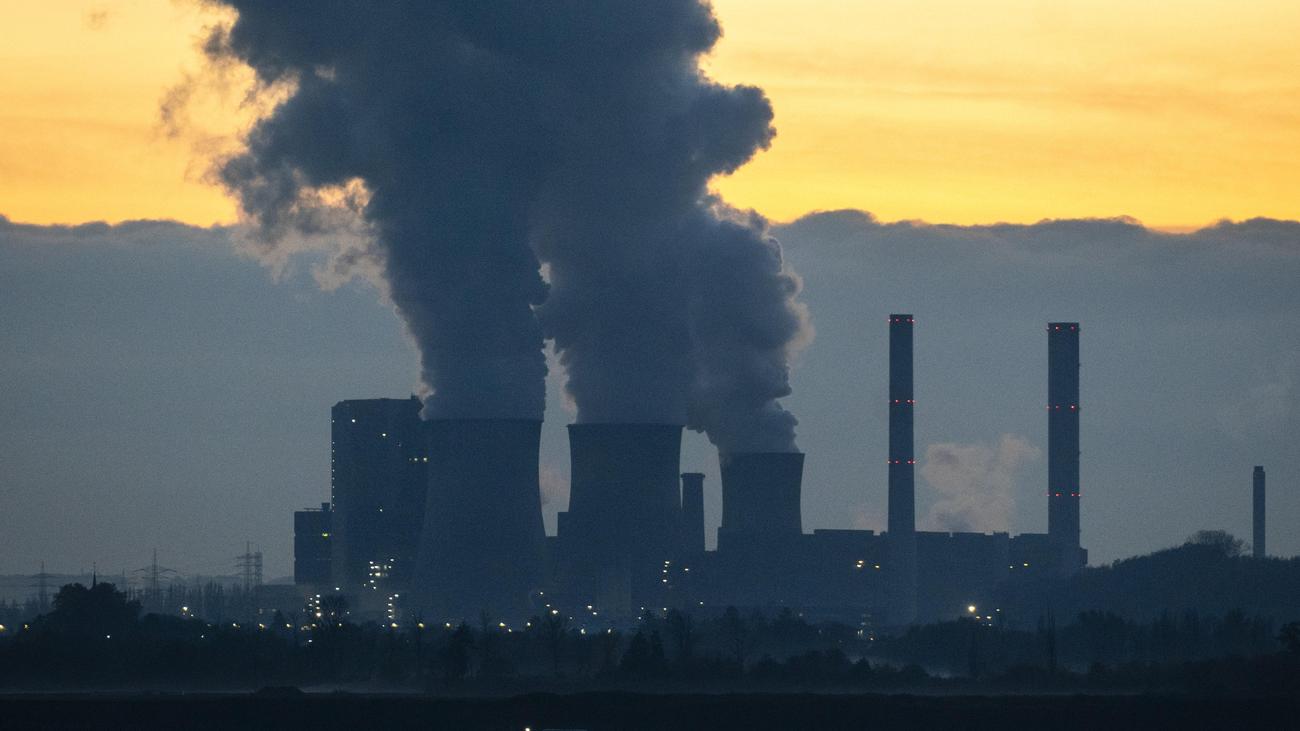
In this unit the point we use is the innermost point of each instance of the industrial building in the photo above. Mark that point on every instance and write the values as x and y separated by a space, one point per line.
379 460
311 546
442 520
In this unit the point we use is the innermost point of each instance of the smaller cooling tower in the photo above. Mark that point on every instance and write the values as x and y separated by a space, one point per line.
760 497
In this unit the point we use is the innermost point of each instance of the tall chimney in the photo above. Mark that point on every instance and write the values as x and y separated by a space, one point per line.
1260 550
483 541
692 513
1063 440
901 545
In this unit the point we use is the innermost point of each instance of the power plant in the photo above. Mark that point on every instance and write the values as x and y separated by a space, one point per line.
441 519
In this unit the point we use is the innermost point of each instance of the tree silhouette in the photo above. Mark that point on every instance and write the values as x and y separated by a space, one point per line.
98 611
455 654
681 628
1220 540
1289 636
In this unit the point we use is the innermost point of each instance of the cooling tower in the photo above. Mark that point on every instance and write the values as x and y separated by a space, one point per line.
624 510
483 541
760 497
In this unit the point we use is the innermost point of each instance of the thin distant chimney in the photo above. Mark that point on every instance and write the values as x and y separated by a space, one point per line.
901 545
1063 439
1260 550
902 460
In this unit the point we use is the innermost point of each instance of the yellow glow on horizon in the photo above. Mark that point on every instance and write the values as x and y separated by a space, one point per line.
80 133
1017 110
943 110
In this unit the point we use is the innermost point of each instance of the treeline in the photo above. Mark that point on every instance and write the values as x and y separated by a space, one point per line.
212 600
1091 639
98 637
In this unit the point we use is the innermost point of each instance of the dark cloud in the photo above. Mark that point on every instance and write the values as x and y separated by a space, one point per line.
162 391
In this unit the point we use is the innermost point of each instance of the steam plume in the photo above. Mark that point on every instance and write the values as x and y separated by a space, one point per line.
489 137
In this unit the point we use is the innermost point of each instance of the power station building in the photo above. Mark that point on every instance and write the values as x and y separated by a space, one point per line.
311 546
379 461
446 515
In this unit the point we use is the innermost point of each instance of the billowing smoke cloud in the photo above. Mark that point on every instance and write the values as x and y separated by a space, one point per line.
479 140
437 131
975 482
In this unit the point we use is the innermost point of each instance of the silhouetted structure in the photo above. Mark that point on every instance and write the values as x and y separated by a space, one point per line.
1063 491
633 536
311 546
760 499
483 540
692 513
1258 514
901 565
624 513
378 461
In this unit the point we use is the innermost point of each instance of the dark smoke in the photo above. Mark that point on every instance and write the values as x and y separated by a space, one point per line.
488 136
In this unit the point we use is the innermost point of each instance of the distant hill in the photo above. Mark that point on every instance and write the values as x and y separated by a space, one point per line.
1209 575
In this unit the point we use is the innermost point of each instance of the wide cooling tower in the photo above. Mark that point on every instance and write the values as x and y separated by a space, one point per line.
760 498
624 508
483 540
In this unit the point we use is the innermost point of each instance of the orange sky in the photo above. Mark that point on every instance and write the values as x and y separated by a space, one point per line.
931 109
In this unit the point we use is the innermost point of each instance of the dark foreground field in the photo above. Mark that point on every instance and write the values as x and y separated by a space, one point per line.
624 712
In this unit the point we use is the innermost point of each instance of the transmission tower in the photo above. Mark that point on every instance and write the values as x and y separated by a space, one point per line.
42 587
250 567
152 576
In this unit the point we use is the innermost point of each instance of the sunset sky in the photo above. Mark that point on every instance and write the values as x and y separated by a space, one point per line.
167 383
940 110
